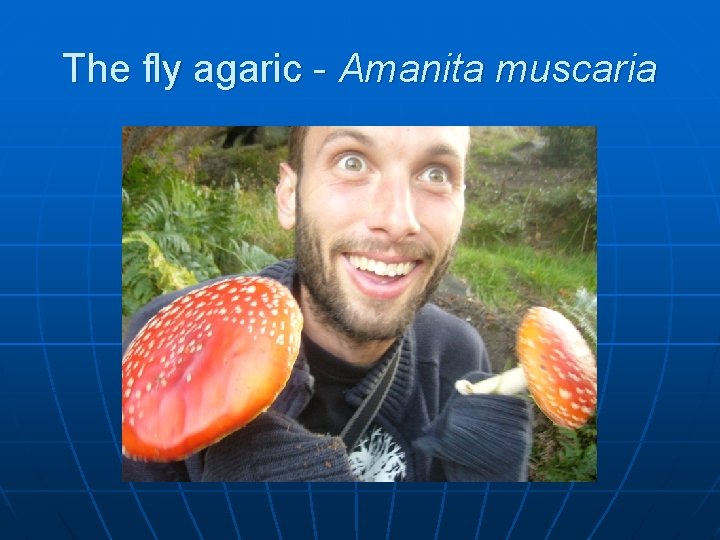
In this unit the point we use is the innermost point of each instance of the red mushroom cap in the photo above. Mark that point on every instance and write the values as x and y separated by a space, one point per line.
206 365
559 366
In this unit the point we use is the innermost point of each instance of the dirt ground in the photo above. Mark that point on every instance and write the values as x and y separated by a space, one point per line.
498 331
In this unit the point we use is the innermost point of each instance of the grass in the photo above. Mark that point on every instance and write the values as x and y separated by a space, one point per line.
506 277
263 230
497 144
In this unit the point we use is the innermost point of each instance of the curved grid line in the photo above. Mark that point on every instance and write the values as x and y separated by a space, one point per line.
181 491
714 197
661 379
101 388
60 244
106 410
415 491
711 185
656 196
63 295
560 510
613 328
482 510
441 511
662 295
706 170
392 509
519 511
272 510
59 195
663 244
3 164
312 512
689 519
232 512
357 512
46 358
58 146
714 485
7 501
42 343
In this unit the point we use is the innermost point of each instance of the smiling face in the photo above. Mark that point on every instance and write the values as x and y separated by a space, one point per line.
377 213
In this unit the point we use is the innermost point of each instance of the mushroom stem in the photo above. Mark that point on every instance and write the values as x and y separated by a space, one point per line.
507 383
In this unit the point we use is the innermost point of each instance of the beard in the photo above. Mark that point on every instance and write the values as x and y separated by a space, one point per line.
376 320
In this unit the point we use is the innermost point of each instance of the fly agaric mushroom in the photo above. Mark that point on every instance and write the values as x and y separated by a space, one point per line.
557 366
206 365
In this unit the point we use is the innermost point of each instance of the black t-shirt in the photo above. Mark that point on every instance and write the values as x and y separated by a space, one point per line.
376 456
328 412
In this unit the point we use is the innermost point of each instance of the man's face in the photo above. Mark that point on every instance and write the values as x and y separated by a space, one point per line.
378 212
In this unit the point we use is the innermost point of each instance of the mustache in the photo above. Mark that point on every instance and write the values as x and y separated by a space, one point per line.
409 250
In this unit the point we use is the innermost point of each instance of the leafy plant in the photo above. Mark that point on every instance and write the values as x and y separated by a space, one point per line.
147 272
176 232
582 310
571 456
570 145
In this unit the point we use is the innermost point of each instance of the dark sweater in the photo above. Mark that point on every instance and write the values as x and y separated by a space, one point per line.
444 436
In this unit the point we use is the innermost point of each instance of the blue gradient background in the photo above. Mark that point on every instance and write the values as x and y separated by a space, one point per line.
659 249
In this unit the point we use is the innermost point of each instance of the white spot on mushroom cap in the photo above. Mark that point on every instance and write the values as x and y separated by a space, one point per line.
549 343
180 329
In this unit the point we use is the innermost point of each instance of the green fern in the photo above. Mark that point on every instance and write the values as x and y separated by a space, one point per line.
176 232
583 312
170 276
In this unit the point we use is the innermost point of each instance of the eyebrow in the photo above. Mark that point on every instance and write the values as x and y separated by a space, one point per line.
443 150
433 151
359 136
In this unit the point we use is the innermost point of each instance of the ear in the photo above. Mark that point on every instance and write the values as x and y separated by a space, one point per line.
285 196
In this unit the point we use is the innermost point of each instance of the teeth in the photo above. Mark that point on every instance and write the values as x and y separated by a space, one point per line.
380 268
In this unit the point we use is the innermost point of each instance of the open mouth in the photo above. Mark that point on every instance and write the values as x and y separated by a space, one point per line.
378 279
380 268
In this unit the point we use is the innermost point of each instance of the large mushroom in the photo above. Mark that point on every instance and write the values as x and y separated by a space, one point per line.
206 365
556 365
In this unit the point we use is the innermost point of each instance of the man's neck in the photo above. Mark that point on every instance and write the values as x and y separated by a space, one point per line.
336 342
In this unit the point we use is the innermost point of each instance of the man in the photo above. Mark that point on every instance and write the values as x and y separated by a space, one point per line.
377 212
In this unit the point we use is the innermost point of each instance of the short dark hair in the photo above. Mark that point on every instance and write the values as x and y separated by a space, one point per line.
296 141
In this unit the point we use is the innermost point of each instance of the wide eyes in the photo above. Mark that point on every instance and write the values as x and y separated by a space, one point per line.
352 163
435 175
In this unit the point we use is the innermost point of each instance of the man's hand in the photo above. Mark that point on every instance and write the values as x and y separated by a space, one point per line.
481 438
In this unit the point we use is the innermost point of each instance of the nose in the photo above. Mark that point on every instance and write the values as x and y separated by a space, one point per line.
392 210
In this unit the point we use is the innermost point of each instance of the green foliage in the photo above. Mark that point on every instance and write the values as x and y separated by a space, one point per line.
509 276
242 167
518 194
500 145
582 310
569 212
147 271
570 456
570 146
500 221
263 229
176 232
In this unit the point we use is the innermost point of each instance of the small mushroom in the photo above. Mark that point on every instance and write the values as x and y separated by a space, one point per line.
206 365
556 365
